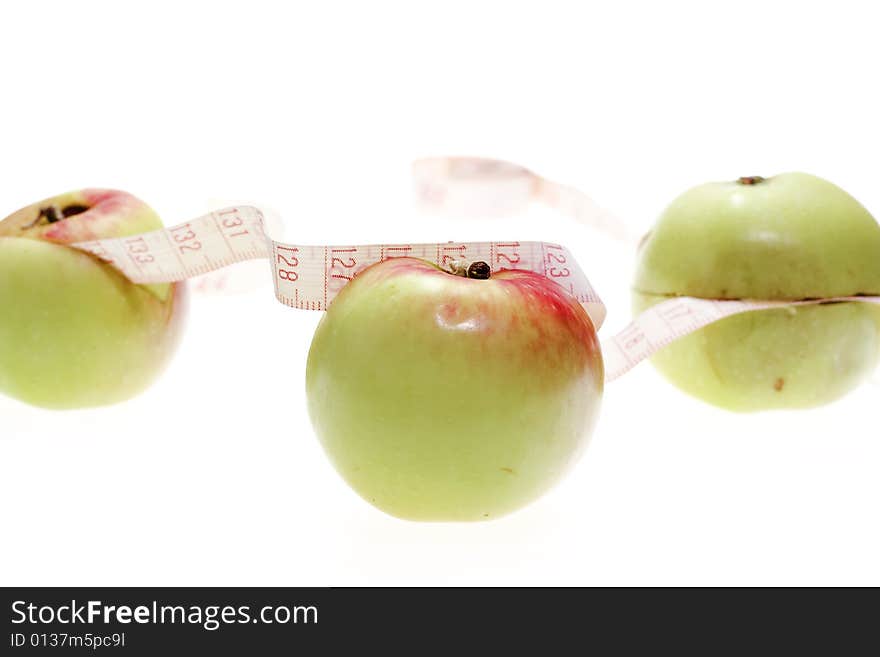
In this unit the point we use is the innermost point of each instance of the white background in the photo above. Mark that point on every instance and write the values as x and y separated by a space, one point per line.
214 476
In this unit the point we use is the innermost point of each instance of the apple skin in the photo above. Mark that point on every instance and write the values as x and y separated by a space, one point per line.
443 398
82 334
790 237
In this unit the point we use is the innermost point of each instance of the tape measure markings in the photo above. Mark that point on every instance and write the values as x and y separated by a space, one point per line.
677 317
309 277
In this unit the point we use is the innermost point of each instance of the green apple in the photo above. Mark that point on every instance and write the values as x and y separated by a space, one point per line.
790 237
443 397
74 332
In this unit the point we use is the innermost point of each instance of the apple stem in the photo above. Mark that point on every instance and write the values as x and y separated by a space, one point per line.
52 214
478 269
750 180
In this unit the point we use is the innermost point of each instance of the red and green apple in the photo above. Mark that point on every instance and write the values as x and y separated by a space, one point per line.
445 397
74 332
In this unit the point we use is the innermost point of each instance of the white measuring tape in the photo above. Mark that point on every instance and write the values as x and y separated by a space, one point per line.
670 320
309 277
473 185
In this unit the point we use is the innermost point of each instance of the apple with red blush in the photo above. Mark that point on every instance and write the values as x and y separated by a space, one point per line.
451 397
75 332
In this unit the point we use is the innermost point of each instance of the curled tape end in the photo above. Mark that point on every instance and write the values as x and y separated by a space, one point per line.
473 186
